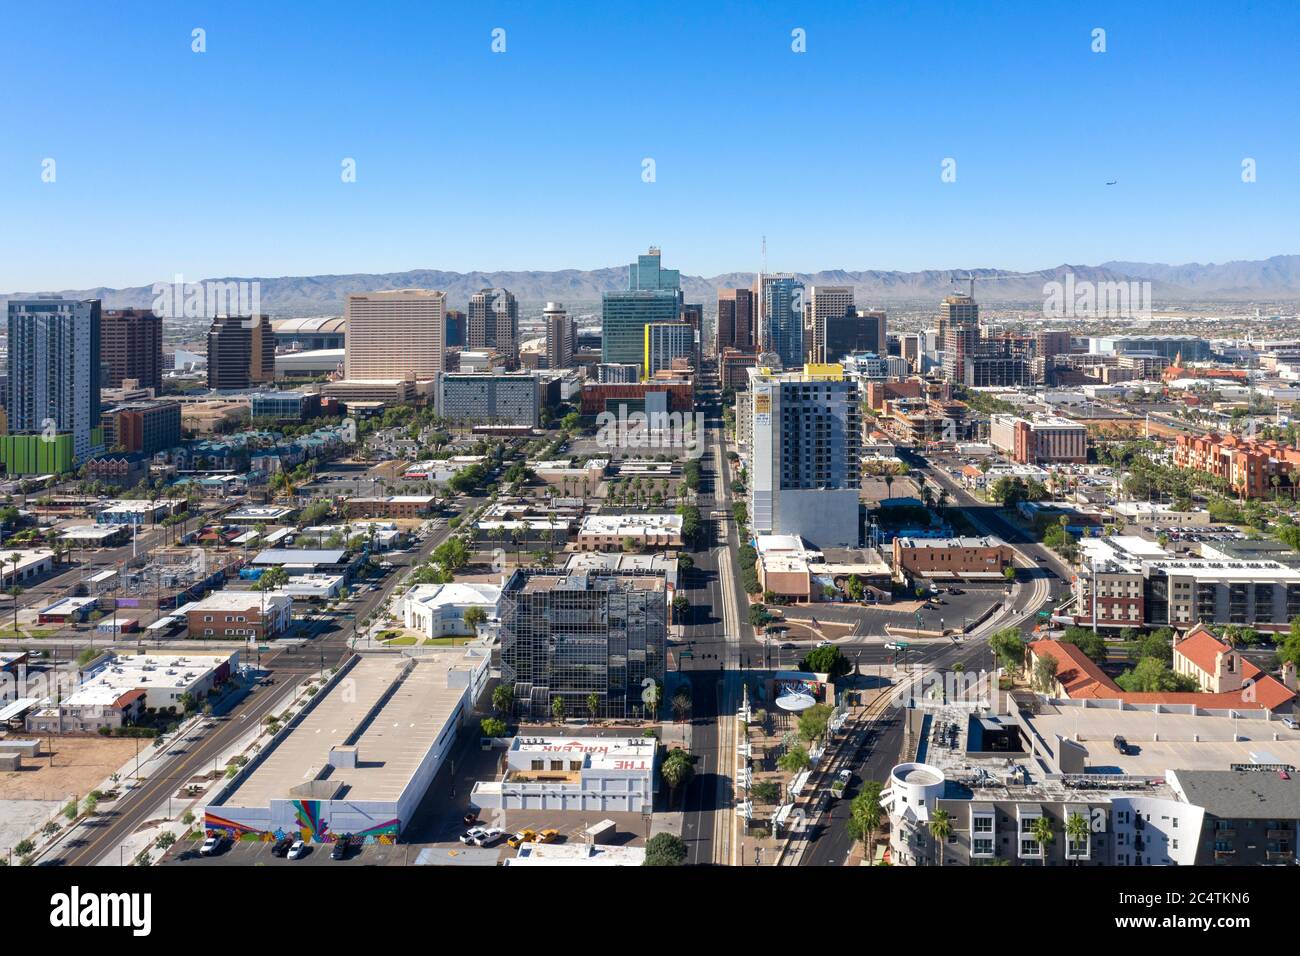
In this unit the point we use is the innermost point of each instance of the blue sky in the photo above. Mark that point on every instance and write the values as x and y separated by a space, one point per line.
228 162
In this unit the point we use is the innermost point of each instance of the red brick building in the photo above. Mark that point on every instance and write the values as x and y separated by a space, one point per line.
1248 466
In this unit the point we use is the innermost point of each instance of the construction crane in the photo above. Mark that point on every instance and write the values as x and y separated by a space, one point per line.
971 277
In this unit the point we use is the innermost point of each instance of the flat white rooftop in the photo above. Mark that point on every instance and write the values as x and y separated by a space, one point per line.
144 671
390 746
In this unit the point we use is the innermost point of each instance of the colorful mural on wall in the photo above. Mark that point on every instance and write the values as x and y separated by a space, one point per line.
311 828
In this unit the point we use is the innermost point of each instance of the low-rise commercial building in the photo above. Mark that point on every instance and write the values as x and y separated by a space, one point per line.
590 774
240 615
438 610
963 557
642 532
359 757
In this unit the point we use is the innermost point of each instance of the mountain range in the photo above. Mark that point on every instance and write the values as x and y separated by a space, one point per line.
1273 279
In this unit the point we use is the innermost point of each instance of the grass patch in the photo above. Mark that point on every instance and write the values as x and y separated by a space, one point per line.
400 642
446 641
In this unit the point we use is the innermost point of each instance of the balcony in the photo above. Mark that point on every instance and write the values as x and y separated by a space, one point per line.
1224 854
1281 833
1277 856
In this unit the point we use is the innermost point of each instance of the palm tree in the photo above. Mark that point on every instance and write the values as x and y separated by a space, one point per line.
1041 830
593 704
940 830
15 590
1076 835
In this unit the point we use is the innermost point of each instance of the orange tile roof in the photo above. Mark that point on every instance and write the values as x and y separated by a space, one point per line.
1081 678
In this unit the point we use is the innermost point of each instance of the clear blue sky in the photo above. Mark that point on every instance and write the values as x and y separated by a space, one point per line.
228 162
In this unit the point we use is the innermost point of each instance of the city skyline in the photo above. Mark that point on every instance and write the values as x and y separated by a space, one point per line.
1033 133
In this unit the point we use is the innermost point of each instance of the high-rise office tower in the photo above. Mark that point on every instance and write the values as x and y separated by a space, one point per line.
494 321
241 351
569 636
666 342
561 336
456 331
131 347
1051 342
805 449
781 317
52 404
735 320
396 335
826 302
654 295
862 330
959 334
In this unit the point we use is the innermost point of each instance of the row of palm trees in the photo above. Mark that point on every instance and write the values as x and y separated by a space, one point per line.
1076 833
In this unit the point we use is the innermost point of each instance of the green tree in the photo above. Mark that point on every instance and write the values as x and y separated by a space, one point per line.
795 760
1076 835
503 699
593 705
557 709
493 727
865 815
826 660
677 769
1041 830
940 830
474 616
1045 674
664 849
813 722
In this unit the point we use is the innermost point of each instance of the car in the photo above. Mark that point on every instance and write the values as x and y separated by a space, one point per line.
298 850
281 847
845 776
1291 722
471 835
788 646
548 836
470 818
825 643
342 848
523 836
1121 744
212 846
488 836
956 592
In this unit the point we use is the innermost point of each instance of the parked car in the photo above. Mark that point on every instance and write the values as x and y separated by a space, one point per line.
281 847
488 836
470 818
342 848
1121 744
523 836
470 835
212 846
845 776
548 836
1291 723
298 850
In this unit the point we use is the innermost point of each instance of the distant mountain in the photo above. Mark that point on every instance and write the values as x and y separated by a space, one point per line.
1275 278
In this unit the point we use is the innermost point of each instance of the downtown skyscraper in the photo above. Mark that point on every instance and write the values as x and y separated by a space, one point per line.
654 294
780 317
494 321
53 403
396 335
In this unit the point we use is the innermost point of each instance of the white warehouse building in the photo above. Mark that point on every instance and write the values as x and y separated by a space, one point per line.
601 774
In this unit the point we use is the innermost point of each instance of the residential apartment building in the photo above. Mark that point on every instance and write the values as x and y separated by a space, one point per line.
806 444
131 348
561 336
959 334
490 397
1252 469
396 335
146 427
52 401
567 636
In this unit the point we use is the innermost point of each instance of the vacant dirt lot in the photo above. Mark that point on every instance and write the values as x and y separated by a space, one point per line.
80 764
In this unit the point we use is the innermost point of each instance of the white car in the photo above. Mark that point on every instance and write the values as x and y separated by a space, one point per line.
845 776
1291 722
472 835
211 846
297 851
488 836
824 643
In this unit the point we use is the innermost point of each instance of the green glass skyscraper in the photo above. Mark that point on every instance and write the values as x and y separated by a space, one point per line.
654 294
